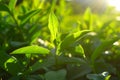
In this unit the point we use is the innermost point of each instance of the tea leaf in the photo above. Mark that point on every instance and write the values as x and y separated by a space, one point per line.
4 7
71 38
70 60
88 18
77 71
41 64
53 26
56 75
79 49
12 4
10 64
102 47
31 50
102 76
27 16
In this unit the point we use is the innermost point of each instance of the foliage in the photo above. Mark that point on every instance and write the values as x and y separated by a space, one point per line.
39 40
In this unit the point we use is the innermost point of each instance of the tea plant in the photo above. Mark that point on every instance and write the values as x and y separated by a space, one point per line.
36 43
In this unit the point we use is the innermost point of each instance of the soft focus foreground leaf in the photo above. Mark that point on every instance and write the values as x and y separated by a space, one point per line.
27 16
12 4
56 75
72 38
53 26
31 50
102 47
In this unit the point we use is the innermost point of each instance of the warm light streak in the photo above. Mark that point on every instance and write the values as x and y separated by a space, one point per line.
114 3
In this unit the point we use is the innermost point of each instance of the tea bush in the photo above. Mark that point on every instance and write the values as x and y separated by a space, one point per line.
44 40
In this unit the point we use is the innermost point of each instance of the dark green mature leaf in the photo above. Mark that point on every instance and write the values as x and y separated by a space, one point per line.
102 76
34 77
12 4
31 50
51 61
101 66
72 38
102 47
77 71
56 75
41 64
4 7
10 64
70 60
18 44
53 26
27 16
15 78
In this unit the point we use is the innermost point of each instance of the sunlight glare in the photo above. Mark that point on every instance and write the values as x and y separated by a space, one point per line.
114 3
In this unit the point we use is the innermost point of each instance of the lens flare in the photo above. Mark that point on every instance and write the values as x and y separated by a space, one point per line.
114 3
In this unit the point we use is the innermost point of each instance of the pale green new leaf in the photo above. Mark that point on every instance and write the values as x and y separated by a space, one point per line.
72 38
53 26
31 50
88 18
80 50
12 4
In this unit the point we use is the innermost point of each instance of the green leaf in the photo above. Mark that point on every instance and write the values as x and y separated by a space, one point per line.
88 18
102 47
18 44
12 4
102 76
27 16
4 7
56 75
10 64
75 50
101 66
53 26
31 50
79 49
41 64
72 38
51 61
14 78
34 77
70 60
78 70
95 77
